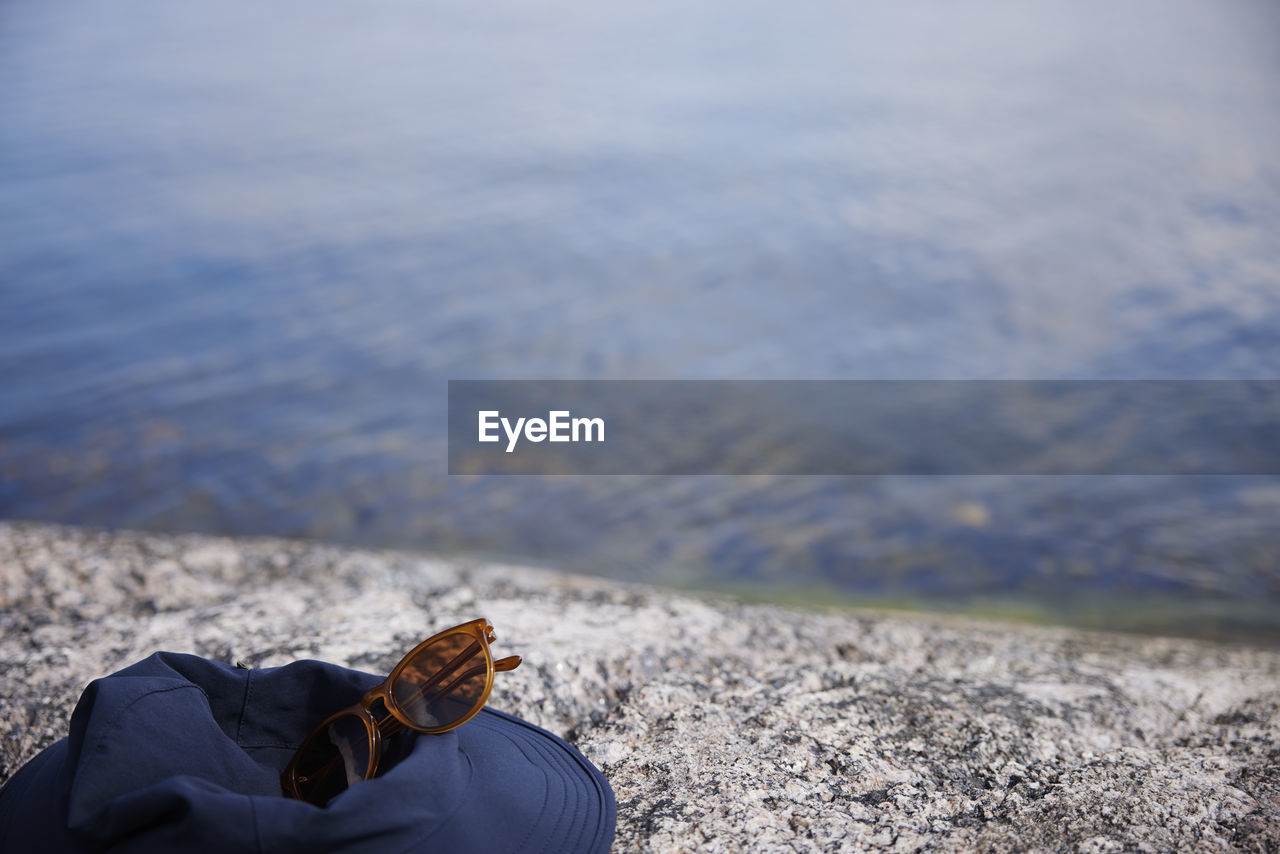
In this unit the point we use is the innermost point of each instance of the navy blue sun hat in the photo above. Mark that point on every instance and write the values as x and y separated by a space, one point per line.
178 753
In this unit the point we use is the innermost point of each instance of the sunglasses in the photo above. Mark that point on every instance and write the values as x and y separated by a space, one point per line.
441 684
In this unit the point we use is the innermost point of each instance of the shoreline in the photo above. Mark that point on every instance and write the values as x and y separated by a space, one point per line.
1147 614
720 723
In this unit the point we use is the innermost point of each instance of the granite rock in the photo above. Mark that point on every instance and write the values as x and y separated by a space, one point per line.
722 726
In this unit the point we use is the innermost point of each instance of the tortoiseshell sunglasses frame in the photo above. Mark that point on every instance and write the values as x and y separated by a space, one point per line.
480 629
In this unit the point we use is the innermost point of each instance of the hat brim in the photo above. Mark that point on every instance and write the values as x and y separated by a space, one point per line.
537 789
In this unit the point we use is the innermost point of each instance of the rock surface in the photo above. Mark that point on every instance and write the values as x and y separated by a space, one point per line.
722 726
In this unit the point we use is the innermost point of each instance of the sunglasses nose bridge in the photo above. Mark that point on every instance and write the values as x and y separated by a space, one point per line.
373 695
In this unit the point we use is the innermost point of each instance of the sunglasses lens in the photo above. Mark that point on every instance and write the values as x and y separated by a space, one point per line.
442 684
332 759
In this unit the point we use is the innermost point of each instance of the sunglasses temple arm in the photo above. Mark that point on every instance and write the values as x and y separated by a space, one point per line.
448 668
390 725
509 663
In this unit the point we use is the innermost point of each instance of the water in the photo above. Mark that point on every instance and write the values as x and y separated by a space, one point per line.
242 249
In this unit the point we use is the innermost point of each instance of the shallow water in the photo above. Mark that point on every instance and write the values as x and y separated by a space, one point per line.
243 248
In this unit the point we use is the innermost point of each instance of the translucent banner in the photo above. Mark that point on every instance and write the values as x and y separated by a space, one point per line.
864 427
